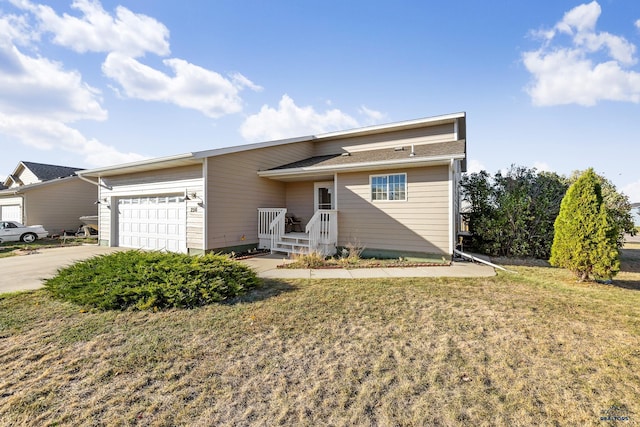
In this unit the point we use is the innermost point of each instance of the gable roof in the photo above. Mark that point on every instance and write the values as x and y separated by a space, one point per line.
46 172
43 172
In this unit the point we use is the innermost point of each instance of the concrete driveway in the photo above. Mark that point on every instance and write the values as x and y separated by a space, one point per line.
25 272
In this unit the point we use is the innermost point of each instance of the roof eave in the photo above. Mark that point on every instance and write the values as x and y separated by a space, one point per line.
247 147
21 189
408 124
362 166
142 165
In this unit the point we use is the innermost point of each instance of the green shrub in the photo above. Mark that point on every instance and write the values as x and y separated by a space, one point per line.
512 214
151 280
585 239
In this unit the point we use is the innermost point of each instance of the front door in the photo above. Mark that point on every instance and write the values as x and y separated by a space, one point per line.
324 197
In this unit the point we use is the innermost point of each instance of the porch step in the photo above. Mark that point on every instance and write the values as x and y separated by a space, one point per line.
292 243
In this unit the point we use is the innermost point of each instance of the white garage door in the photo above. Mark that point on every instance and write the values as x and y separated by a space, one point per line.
156 223
11 213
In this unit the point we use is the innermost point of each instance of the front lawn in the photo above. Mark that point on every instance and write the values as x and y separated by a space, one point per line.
534 348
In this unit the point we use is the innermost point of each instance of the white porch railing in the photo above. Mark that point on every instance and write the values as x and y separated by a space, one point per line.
323 231
266 217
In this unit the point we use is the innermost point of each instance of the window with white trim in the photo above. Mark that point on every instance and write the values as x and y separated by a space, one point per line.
389 187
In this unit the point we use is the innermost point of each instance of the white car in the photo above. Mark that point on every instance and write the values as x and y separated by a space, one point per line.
12 231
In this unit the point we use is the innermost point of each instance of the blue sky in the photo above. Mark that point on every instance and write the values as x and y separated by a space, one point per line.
547 84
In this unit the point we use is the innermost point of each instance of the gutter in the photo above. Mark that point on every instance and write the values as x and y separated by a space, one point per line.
96 183
474 258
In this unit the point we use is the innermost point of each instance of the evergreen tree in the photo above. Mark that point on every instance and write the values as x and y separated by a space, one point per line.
585 239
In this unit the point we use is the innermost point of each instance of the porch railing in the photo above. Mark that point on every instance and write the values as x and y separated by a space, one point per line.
266 217
323 231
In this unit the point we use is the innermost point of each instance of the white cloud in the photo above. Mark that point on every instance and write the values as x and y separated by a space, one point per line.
290 120
241 81
542 166
39 98
97 31
372 116
475 166
52 134
191 86
633 191
17 28
575 74
637 24
38 86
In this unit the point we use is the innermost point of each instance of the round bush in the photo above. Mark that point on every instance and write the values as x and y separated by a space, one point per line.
151 280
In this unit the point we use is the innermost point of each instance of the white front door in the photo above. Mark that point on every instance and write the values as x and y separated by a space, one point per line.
324 197
155 223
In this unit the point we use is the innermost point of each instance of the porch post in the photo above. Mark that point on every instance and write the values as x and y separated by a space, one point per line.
335 190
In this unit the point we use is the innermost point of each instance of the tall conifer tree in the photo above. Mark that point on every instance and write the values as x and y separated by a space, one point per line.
584 237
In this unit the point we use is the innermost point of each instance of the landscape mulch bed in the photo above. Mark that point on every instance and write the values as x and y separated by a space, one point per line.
369 265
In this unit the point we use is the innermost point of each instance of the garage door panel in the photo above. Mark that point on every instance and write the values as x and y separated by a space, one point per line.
11 213
156 223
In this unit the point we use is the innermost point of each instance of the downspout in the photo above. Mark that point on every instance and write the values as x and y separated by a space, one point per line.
100 185
452 239
205 199
474 258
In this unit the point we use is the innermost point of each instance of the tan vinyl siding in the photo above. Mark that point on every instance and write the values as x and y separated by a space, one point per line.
236 191
420 224
440 133
299 200
58 206
180 181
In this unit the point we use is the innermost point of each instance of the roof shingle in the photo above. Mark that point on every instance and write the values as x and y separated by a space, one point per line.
46 172
421 151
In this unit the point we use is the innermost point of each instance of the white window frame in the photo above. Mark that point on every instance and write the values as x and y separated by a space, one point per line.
386 192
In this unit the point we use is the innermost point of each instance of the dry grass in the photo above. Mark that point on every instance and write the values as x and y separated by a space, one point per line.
514 350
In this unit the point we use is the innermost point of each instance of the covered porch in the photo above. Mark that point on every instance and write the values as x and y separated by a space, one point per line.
308 220
280 232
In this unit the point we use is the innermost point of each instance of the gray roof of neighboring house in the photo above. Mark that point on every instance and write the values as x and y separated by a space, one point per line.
46 172
421 151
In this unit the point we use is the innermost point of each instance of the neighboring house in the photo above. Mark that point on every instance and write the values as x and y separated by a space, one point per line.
635 213
50 195
390 188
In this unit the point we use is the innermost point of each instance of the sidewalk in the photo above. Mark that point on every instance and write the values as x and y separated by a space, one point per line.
267 268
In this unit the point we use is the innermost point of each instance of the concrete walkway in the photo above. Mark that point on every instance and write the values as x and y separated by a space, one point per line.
26 272
267 267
